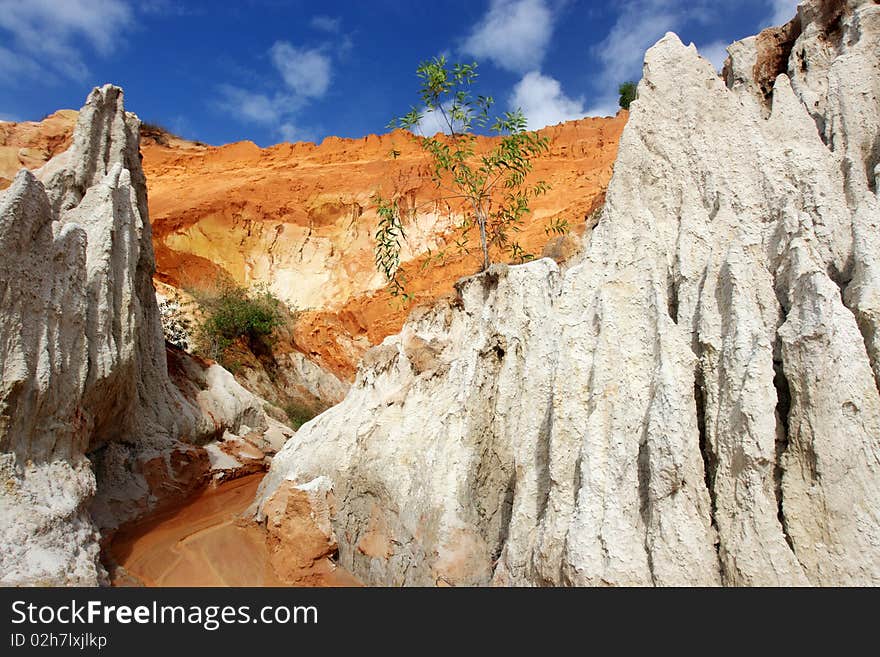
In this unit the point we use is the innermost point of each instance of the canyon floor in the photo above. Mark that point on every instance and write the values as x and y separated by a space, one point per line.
204 541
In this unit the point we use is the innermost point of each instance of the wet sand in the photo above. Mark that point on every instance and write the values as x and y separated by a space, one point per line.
204 542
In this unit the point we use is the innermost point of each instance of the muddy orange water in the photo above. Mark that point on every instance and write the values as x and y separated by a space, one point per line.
203 542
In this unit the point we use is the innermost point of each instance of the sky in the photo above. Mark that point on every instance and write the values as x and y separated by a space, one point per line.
297 70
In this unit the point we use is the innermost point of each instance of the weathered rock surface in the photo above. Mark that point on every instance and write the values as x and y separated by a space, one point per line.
299 533
84 374
695 402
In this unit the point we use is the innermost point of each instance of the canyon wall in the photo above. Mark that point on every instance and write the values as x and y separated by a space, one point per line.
693 402
301 218
93 429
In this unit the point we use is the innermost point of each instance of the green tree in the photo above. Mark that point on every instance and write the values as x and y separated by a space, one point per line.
628 92
488 191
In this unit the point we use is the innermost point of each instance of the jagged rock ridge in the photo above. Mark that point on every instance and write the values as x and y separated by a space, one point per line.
83 367
696 401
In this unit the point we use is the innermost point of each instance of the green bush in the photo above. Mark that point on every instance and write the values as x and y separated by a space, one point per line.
232 312
298 414
628 92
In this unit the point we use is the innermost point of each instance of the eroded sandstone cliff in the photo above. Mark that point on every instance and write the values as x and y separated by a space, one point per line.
695 401
31 144
301 218
93 430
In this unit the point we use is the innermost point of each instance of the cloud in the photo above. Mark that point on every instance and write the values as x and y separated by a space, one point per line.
20 68
292 132
782 11
169 8
289 132
305 75
51 33
305 71
639 25
249 106
181 125
326 24
543 102
604 107
166 8
9 118
715 52
433 122
514 34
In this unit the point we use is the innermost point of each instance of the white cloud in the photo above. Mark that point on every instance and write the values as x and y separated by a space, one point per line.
639 25
543 102
306 75
49 32
15 67
326 24
715 52
166 8
289 132
603 108
433 122
250 107
514 34
8 118
305 71
782 11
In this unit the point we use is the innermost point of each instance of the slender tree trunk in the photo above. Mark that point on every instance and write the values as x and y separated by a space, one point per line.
483 242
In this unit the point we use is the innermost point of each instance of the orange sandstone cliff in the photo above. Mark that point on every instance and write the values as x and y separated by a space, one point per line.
30 144
301 218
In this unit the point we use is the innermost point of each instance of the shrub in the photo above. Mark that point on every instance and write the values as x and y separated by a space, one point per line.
298 414
628 92
158 133
232 312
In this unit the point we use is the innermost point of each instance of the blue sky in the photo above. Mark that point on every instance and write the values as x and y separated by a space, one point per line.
285 70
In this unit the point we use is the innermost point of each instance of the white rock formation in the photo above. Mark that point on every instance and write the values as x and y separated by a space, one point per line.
83 370
695 401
